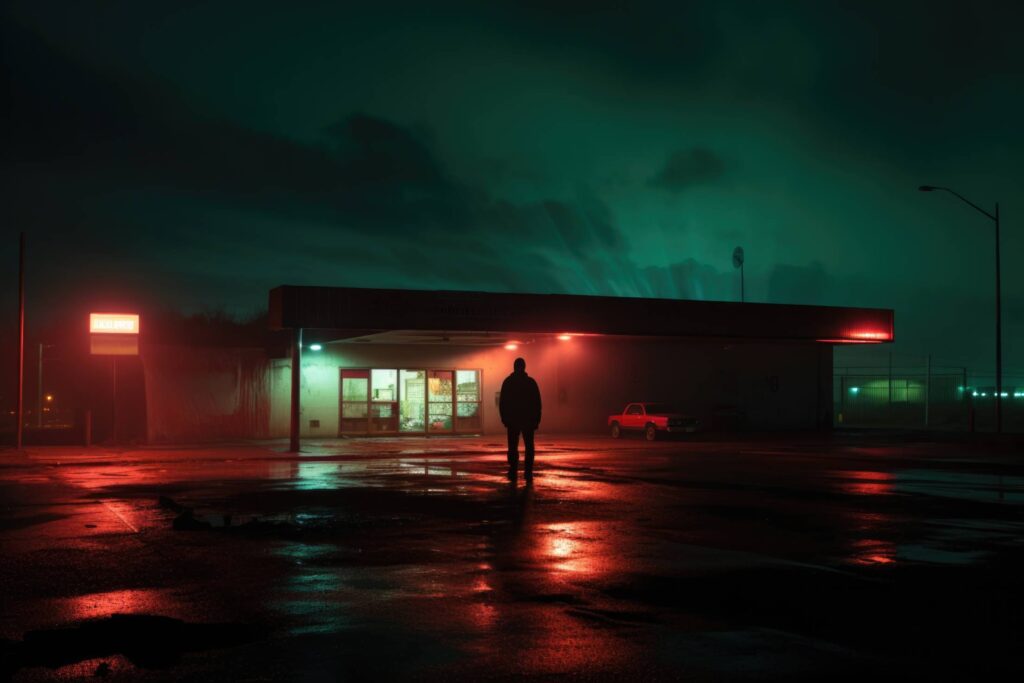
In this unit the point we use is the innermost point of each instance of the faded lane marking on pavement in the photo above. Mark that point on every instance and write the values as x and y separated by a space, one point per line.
120 516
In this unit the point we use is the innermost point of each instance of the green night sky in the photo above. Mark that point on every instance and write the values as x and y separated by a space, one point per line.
197 154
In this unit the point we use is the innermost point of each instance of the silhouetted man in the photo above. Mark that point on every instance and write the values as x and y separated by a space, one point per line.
520 413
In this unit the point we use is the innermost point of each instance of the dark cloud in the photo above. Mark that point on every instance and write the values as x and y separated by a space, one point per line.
687 168
799 284
467 146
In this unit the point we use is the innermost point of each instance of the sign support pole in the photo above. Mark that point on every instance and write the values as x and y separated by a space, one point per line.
113 397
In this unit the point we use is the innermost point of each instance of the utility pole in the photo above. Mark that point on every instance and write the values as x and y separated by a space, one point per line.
738 259
927 389
999 337
21 341
743 288
113 398
994 217
39 389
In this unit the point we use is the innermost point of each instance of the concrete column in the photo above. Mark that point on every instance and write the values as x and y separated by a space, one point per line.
295 430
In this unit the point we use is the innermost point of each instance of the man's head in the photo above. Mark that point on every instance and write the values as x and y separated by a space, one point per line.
519 365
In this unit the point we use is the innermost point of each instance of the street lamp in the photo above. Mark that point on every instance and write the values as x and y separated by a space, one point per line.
999 322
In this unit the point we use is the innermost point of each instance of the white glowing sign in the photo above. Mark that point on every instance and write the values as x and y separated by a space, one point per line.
113 323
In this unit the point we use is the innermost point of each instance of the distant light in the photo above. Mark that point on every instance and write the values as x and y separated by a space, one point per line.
511 346
315 347
49 397
1003 394
974 393
565 337
984 394
854 390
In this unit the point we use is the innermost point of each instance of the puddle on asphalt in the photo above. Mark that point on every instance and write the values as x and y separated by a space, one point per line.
943 542
865 482
987 488
146 641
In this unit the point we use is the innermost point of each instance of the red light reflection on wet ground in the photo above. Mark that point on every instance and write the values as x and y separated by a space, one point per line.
867 482
96 605
575 574
873 551
575 547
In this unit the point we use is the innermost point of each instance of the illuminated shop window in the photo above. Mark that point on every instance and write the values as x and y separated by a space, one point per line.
410 401
467 396
441 391
384 400
384 385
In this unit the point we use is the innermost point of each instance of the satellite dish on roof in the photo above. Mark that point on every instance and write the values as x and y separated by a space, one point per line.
737 262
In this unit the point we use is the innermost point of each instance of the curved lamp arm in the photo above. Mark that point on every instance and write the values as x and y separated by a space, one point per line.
932 188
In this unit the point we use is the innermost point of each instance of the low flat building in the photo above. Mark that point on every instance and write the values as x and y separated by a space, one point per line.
410 362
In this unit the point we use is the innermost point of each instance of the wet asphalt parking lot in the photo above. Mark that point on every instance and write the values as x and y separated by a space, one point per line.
775 558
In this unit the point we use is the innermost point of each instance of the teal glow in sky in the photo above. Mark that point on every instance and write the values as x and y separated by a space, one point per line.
199 154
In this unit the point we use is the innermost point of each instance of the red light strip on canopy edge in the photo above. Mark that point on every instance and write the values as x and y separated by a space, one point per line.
861 337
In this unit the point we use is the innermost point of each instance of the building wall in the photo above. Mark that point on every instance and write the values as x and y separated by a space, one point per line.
199 394
582 381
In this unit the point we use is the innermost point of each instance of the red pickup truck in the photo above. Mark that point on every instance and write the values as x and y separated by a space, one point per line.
651 419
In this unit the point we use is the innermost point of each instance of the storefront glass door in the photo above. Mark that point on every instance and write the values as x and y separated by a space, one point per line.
383 401
355 388
412 399
467 406
441 392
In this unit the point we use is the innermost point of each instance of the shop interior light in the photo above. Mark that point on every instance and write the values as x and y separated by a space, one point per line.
315 347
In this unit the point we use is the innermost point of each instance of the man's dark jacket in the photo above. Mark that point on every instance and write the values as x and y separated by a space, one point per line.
520 401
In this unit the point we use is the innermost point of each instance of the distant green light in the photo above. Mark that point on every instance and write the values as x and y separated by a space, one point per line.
854 390
315 347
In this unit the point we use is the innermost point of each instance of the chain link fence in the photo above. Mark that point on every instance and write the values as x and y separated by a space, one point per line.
925 396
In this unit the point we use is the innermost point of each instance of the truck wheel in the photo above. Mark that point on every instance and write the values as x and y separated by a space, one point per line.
616 430
650 433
